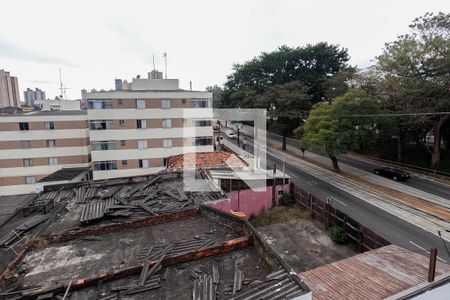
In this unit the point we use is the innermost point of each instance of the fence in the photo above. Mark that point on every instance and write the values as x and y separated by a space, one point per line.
325 213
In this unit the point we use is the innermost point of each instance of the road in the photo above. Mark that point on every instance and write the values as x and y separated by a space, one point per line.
423 184
389 226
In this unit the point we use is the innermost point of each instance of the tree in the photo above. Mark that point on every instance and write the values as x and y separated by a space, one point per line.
217 95
352 122
415 75
295 74
286 105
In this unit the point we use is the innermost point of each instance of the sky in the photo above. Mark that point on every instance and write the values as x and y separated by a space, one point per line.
94 42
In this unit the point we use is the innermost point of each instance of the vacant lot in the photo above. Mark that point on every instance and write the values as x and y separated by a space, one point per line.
298 240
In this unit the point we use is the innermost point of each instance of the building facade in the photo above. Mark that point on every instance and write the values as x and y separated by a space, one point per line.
134 132
33 97
34 145
9 90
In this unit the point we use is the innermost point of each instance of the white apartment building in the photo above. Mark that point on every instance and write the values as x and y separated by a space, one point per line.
36 144
133 132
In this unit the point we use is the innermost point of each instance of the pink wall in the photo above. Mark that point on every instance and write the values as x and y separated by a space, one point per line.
248 201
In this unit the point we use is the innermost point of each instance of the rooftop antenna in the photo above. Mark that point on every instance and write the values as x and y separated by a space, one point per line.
165 63
62 87
153 62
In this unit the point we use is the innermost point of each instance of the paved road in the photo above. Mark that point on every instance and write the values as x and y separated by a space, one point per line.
387 225
423 184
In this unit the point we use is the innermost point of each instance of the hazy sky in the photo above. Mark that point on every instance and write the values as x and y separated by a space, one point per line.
96 41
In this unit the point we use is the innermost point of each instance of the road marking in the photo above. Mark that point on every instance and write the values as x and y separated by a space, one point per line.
423 249
311 182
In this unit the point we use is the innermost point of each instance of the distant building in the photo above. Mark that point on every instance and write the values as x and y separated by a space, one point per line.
155 74
118 84
125 85
9 90
33 97
83 94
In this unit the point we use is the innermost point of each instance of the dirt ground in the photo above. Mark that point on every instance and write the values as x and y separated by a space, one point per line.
303 245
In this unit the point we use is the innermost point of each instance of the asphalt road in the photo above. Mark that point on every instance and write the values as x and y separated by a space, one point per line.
423 184
385 224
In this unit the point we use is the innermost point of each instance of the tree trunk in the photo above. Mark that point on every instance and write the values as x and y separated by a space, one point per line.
335 162
284 141
436 153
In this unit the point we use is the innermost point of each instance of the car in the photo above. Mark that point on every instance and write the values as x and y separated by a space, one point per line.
230 134
393 173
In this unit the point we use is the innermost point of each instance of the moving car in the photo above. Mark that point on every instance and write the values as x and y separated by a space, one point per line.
393 173
230 134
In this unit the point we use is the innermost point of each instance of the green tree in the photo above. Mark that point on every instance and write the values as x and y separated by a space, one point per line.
297 76
286 104
415 77
353 121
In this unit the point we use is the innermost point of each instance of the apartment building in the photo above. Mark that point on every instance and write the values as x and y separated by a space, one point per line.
36 144
9 90
133 132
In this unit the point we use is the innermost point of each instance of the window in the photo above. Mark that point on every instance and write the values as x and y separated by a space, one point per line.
183 101
103 145
23 126
101 124
51 143
25 144
52 160
140 103
49 125
200 103
28 162
121 122
166 123
165 162
203 141
119 101
105 165
143 163
142 144
202 123
123 143
124 162
100 104
165 103
141 123
30 179
167 143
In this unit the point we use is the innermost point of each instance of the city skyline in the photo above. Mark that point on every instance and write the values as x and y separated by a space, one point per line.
75 38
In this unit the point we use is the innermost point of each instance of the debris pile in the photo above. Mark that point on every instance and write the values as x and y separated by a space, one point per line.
7 240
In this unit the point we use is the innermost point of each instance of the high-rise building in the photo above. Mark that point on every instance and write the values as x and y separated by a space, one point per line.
9 90
118 84
83 94
33 97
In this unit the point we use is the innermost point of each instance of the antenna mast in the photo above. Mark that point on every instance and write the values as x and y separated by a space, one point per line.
165 63
153 62
62 87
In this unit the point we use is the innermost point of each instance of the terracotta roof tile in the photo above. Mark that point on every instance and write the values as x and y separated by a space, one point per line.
206 160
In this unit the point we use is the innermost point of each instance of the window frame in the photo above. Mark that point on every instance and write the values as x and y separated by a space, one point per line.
141 104
24 126
166 103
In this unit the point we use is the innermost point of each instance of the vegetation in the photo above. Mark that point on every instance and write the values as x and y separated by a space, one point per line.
287 199
338 235
279 214
401 102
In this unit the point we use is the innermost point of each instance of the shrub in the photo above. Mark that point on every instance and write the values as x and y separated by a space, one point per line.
338 235
287 199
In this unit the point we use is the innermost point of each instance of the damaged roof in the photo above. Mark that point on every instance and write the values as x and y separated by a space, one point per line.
206 160
143 238
375 274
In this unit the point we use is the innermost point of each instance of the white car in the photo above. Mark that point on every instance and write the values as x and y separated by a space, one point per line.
230 134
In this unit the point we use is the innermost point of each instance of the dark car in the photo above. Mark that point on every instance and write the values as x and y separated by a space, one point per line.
393 173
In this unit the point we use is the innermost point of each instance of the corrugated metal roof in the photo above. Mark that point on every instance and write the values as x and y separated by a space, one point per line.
374 274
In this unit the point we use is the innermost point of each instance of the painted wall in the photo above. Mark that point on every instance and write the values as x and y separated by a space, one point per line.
248 201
